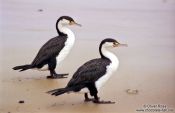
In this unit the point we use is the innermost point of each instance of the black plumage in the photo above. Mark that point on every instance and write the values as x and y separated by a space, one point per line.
47 55
87 75
49 51
91 71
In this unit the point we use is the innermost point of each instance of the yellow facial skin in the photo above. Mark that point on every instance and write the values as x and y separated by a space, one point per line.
74 23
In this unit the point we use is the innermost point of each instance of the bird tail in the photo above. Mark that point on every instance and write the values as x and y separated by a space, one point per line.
22 67
60 91
67 89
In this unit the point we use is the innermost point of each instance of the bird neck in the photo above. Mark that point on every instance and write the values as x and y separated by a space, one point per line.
107 54
64 31
61 29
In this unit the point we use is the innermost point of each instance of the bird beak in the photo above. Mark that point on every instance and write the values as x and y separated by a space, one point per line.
120 45
74 23
123 45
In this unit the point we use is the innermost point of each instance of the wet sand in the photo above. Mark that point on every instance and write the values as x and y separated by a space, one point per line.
147 65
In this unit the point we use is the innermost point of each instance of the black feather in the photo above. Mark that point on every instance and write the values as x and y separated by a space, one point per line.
49 50
22 67
90 72
61 91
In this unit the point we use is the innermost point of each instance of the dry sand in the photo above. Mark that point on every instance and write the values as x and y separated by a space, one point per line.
146 66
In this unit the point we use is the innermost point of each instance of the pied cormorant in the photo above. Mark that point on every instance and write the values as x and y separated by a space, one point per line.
54 50
92 75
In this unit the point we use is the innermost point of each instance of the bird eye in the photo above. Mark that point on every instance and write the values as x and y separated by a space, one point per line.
71 22
115 43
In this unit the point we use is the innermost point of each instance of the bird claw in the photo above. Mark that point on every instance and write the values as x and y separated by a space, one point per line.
57 76
103 102
89 99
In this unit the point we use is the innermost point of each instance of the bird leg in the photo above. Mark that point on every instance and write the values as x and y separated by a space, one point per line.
87 99
54 75
97 101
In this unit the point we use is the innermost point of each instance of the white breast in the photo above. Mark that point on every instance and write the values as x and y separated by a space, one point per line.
110 69
68 45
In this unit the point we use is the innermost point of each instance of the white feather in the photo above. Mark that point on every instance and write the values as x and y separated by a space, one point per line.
68 44
111 68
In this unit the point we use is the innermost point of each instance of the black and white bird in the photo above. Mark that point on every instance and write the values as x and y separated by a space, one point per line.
92 75
54 50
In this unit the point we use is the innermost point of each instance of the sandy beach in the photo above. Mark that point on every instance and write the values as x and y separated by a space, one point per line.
147 65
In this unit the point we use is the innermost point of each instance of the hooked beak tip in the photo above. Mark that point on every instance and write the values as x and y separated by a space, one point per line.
78 24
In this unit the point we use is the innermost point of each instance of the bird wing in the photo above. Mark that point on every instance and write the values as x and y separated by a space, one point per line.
50 49
89 72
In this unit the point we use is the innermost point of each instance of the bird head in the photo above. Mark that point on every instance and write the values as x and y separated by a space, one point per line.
111 43
67 20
